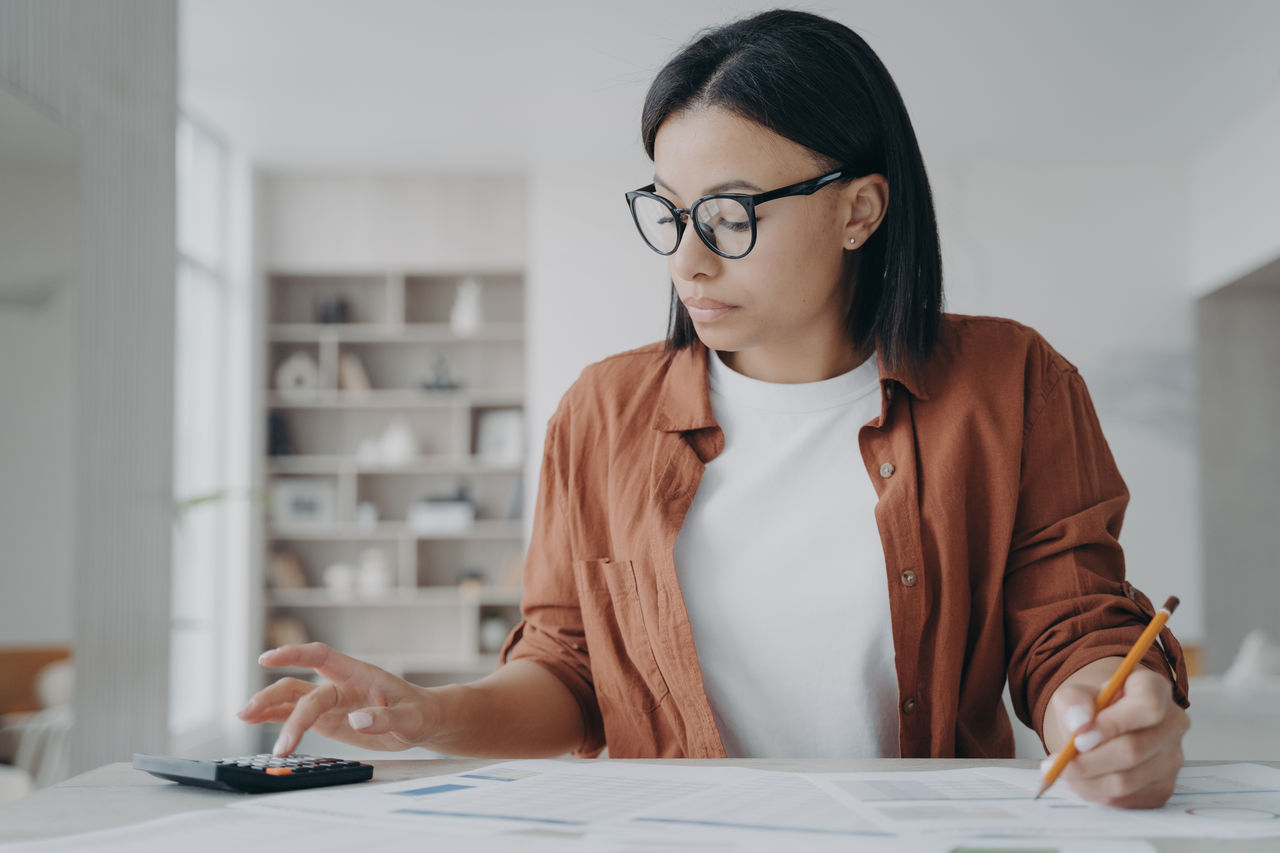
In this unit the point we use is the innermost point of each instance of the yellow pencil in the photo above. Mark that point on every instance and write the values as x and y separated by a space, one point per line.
1109 692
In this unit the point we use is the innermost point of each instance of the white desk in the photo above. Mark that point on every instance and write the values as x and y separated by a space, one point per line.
116 795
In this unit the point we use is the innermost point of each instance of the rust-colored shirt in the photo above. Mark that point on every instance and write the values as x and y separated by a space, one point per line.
999 511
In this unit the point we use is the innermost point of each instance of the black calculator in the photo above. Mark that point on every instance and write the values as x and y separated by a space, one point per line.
255 774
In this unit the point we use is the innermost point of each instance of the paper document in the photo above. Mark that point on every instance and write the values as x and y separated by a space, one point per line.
618 806
217 830
615 798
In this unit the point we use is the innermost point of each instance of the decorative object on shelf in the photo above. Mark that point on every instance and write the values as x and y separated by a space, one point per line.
340 580
500 436
369 451
286 631
278 441
472 580
442 514
299 500
298 376
373 576
333 309
351 373
285 571
399 444
493 633
367 515
441 375
465 317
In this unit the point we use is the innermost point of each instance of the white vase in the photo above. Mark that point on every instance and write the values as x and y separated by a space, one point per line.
465 318
399 445
374 575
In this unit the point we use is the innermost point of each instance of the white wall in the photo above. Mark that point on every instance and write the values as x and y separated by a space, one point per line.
1235 185
367 222
594 289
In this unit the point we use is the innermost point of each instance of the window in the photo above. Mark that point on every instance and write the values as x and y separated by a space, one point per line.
200 436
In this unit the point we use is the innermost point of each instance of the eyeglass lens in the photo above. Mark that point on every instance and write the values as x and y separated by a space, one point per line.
723 223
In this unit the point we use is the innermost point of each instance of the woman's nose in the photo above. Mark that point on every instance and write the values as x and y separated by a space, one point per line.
692 258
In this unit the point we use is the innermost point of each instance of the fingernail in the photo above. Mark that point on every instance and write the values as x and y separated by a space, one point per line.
1077 716
264 654
278 749
360 719
247 706
1088 740
1046 764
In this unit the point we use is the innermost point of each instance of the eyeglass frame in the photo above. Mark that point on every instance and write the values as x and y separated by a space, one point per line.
747 201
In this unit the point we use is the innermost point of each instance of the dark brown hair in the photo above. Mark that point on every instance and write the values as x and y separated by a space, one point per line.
817 83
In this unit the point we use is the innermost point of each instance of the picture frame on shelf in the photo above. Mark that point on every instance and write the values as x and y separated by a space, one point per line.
304 500
500 436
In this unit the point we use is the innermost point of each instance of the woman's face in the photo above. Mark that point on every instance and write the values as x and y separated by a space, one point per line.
777 314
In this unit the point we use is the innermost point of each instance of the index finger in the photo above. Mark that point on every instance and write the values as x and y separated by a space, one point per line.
305 713
330 663
1143 703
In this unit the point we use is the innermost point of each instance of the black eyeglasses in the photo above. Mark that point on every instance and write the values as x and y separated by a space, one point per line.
726 222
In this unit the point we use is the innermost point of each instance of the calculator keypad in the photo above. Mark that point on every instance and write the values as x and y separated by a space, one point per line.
266 762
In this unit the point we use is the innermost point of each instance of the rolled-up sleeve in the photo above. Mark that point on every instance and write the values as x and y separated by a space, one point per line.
551 630
1067 603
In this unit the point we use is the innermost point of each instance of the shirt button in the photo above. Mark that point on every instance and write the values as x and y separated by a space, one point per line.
908 578
909 705
886 470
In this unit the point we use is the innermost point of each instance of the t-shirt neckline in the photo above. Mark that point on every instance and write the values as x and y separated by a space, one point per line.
841 390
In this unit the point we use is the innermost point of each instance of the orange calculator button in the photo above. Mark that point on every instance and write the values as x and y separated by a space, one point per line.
279 771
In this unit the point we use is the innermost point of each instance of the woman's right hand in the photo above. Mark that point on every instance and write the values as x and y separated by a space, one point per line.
357 704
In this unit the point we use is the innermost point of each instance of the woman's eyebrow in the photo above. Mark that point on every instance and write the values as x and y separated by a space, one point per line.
718 188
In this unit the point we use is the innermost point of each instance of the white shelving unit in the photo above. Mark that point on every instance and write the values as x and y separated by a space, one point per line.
423 625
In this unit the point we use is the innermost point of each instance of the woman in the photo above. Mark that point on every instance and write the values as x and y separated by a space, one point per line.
823 518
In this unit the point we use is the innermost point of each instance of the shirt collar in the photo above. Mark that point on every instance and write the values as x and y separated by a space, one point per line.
915 381
684 402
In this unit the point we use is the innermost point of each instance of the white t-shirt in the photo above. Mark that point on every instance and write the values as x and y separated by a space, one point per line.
783 572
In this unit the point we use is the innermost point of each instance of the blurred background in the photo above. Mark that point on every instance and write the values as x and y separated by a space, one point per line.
289 289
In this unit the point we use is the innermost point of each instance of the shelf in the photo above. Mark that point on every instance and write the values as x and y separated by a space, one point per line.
411 333
399 331
440 596
440 464
513 530
395 399
308 273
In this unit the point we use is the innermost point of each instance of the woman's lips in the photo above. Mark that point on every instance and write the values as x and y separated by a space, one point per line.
703 310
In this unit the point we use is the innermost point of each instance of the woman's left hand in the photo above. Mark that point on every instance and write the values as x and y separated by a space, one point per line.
1131 751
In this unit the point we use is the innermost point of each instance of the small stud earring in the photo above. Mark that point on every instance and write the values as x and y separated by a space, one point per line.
853 240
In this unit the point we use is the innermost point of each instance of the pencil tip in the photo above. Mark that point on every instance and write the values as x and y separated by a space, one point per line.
1172 604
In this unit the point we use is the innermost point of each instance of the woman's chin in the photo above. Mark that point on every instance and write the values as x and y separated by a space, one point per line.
717 339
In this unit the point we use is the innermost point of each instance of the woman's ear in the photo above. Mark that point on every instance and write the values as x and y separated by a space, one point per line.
863 204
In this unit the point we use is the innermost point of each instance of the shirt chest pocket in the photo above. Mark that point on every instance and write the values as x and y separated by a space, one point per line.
623 666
